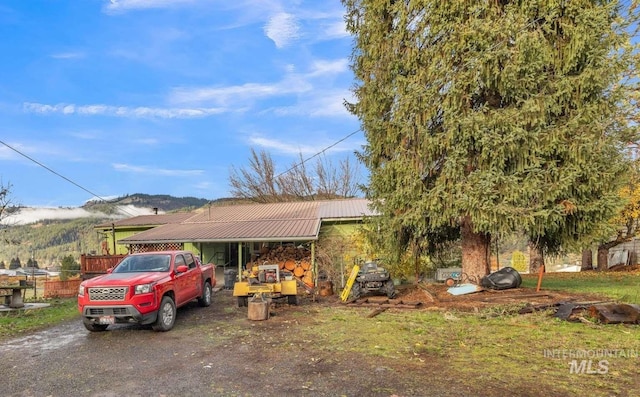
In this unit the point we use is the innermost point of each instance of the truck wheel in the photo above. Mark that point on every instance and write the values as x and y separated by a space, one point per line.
292 299
356 291
205 299
166 315
243 301
93 327
389 289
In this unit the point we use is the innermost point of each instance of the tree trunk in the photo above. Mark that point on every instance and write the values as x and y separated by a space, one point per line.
603 252
587 260
475 252
536 258
603 257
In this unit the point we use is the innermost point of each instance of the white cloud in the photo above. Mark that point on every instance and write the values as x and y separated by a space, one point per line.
155 171
8 154
322 104
322 67
293 149
119 6
224 96
30 215
122 111
291 84
335 30
68 55
283 29
18 150
281 146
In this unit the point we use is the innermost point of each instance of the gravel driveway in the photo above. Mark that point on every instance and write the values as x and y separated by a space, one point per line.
214 351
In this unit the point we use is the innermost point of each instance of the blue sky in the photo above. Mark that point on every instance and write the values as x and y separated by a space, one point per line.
165 96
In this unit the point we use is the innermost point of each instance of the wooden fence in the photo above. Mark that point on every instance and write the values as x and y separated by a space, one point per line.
61 289
95 265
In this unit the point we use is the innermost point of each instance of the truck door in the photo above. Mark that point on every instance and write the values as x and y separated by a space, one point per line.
181 282
194 276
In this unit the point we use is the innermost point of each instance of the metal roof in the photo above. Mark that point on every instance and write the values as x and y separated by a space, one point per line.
288 221
355 208
245 212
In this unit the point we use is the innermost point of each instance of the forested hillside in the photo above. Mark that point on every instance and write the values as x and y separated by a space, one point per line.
49 241
163 202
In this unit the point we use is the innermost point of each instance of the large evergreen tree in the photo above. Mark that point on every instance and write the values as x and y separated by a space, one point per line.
490 117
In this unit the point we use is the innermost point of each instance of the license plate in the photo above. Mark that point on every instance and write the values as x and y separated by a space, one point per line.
106 320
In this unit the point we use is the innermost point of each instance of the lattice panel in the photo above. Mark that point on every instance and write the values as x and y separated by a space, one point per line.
135 248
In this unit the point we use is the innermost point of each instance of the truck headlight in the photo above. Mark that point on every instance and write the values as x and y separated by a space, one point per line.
143 288
81 290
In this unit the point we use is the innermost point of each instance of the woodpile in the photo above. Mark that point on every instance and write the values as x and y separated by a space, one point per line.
289 258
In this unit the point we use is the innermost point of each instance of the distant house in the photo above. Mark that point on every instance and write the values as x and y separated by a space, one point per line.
233 235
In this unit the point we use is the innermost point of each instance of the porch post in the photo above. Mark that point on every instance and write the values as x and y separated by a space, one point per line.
314 264
240 261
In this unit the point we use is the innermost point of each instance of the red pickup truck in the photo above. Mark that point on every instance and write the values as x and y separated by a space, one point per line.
146 288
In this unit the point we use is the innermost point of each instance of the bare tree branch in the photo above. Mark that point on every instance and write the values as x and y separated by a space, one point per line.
258 181
6 209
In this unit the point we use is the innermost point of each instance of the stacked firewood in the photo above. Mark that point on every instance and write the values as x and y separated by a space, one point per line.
290 259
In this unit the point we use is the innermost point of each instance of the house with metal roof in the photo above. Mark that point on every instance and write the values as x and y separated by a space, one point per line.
233 235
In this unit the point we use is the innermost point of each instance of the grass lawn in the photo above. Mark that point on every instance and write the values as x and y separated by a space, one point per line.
532 354
525 354
619 286
14 323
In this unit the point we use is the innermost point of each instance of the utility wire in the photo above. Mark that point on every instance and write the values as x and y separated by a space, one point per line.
60 175
319 153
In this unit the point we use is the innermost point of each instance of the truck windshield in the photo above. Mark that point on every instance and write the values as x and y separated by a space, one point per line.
144 263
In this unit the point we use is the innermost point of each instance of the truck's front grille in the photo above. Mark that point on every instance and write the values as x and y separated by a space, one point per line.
108 311
107 293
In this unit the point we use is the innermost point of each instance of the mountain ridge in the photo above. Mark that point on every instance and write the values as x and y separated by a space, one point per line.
162 202
50 234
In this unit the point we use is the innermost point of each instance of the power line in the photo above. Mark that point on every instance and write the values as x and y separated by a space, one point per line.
60 175
319 153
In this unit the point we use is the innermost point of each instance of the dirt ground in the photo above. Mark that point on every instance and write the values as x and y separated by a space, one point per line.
436 296
216 351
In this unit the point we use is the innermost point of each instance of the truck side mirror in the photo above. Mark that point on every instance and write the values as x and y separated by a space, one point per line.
182 269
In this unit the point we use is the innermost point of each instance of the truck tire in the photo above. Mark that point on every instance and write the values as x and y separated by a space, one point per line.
93 327
205 299
389 289
292 299
166 315
356 291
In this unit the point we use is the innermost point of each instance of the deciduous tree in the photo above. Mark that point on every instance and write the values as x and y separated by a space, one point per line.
626 224
260 183
7 207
